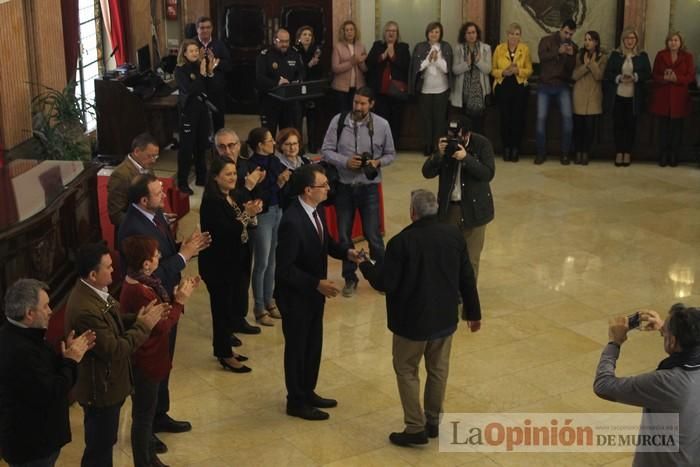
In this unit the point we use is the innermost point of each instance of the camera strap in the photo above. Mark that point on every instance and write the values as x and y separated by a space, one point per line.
370 130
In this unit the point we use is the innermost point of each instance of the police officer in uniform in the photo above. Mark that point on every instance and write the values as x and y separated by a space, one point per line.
275 66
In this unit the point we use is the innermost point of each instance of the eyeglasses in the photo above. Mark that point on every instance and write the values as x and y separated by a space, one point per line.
227 146
269 141
323 185
290 145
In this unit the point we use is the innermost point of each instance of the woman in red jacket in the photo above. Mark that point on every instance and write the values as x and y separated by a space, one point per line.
673 72
151 361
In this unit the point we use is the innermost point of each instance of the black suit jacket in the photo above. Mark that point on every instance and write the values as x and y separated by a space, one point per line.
302 259
171 264
227 260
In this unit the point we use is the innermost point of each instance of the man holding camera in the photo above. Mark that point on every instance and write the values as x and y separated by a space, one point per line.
358 145
557 54
425 269
465 164
673 388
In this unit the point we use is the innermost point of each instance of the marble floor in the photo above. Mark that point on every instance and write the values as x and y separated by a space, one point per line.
569 248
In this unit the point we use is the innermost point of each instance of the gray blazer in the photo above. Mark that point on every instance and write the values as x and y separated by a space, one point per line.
460 69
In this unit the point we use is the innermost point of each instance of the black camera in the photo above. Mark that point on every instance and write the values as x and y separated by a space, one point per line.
454 137
368 169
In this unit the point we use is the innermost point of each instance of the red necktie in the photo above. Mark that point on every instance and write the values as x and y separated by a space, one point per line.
319 229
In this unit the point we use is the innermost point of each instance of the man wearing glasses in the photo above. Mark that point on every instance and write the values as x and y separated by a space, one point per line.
301 289
141 159
228 144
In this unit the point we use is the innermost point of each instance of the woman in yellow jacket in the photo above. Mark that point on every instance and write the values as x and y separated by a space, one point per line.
511 68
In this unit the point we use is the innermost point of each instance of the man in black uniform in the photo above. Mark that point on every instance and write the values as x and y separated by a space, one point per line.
277 65
215 48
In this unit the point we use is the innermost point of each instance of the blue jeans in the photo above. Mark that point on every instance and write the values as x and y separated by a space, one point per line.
563 94
264 246
364 198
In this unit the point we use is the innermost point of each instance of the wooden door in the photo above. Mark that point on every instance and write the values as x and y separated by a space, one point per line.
248 26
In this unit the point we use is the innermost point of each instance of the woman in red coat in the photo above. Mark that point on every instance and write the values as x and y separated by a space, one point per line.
670 102
151 361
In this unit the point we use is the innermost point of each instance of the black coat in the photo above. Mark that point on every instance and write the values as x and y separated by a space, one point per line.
640 65
228 259
171 264
302 261
375 67
34 387
426 267
477 170
190 85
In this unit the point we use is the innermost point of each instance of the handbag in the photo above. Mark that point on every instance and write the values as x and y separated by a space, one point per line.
398 90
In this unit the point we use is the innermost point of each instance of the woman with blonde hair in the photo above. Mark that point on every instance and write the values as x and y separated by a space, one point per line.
672 74
348 65
387 75
627 70
192 76
511 67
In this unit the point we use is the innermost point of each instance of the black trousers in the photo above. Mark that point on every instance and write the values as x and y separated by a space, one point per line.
303 341
343 100
625 124
194 142
512 102
670 136
310 111
229 306
433 108
163 388
276 114
391 109
584 132
101 427
143 408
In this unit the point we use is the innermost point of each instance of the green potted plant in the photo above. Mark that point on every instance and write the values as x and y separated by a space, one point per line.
58 124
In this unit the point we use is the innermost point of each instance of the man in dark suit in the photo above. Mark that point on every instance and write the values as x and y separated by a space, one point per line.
302 288
214 48
145 217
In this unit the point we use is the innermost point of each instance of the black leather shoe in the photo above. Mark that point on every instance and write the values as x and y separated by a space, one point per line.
165 423
235 341
407 439
514 155
564 159
241 369
539 159
155 462
158 446
241 358
185 189
433 431
307 413
506 154
322 403
248 328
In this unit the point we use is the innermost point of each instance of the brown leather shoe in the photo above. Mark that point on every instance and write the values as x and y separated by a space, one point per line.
265 320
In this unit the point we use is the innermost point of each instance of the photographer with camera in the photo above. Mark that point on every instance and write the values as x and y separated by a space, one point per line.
358 145
465 164
673 388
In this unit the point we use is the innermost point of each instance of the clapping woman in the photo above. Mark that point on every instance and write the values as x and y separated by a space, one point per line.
225 265
192 75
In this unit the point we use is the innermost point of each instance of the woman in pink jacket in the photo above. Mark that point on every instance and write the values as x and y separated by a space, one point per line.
348 64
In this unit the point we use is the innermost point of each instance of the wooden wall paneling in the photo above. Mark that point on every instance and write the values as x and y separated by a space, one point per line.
193 9
47 28
15 96
139 33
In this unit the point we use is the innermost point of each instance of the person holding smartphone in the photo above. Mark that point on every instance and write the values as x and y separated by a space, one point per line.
310 53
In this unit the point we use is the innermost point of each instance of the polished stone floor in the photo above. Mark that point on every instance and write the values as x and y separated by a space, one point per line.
569 248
